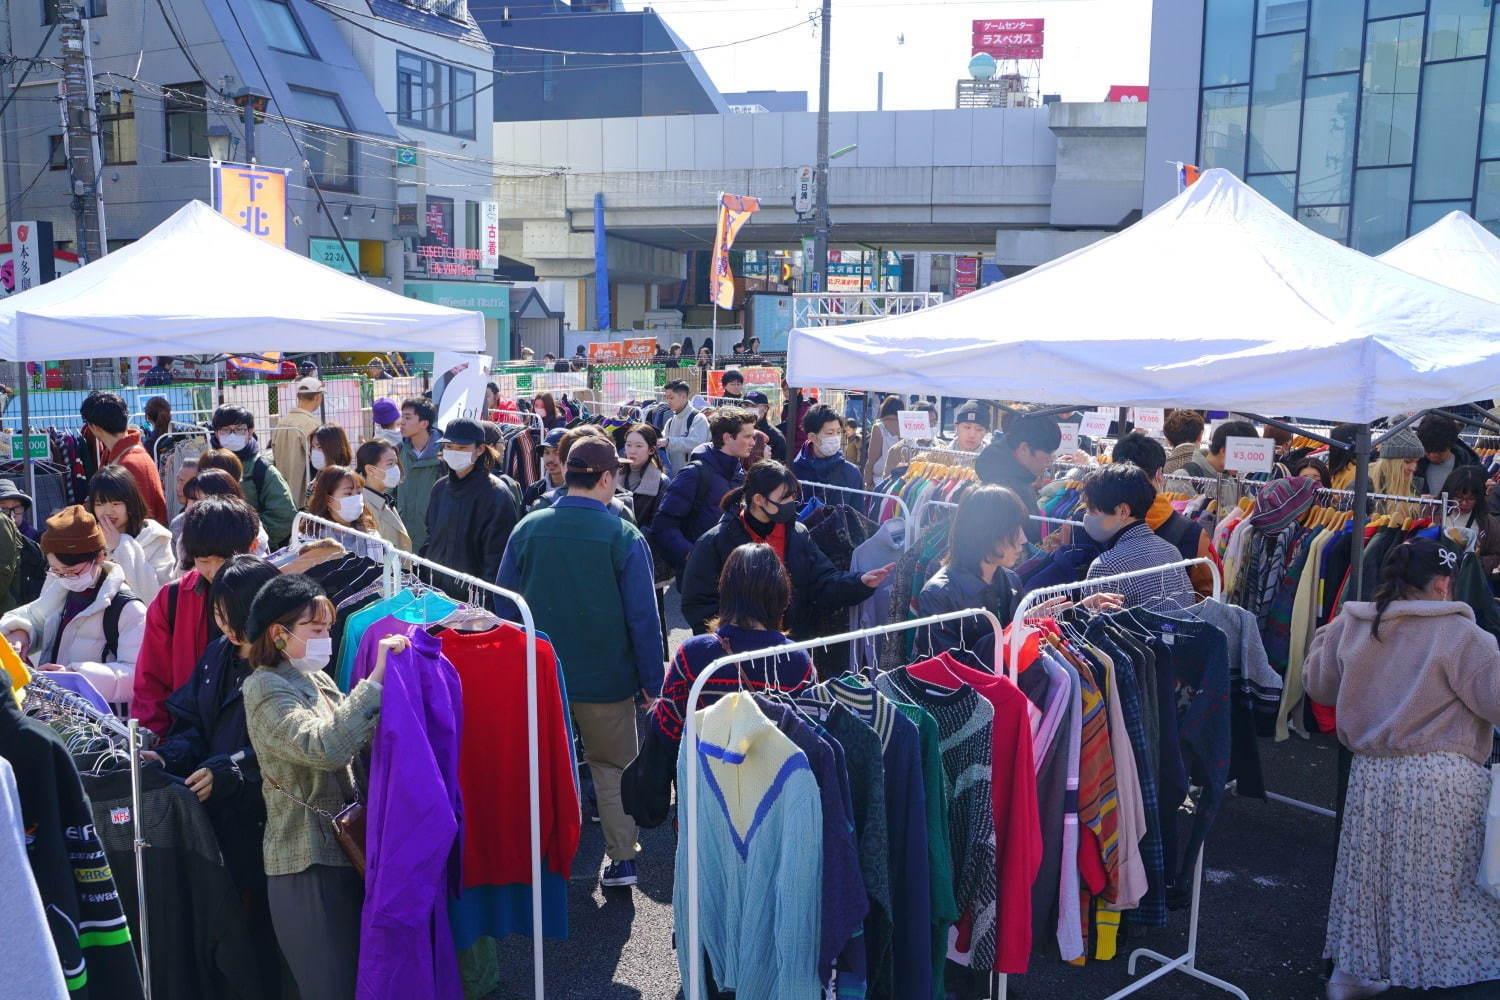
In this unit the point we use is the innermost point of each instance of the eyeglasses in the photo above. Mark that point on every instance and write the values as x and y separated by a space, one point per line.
236 429
76 572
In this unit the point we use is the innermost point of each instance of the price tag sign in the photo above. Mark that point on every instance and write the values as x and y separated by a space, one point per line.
1150 419
1249 454
914 423
1069 438
1095 424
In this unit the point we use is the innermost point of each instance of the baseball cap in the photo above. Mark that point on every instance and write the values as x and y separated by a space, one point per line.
593 455
554 437
464 431
309 384
758 398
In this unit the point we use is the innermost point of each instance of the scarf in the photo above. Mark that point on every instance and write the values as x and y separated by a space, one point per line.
776 539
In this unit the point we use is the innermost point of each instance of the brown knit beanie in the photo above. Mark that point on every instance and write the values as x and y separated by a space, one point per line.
72 531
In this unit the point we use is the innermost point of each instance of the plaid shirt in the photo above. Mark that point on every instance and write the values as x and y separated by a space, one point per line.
1137 547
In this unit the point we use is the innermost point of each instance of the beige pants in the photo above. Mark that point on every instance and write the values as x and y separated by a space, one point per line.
609 744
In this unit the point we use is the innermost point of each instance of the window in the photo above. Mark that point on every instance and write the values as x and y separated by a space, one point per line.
1458 28
1487 205
439 221
116 125
1449 137
1385 8
1276 104
1425 213
1380 199
1393 67
1334 37
1277 189
279 26
187 121
1224 115
471 224
434 96
330 157
1282 15
1226 42
91 8
57 153
1331 221
1326 170
549 77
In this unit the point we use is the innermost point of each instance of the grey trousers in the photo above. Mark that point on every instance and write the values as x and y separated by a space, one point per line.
316 916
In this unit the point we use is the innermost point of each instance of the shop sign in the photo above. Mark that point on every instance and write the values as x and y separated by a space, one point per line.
331 253
607 352
458 261
253 198
489 234
914 423
1249 454
406 156
640 348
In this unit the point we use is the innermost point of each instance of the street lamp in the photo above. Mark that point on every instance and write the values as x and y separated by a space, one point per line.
220 140
253 102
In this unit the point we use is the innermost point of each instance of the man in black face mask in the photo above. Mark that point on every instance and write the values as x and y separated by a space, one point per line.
1118 497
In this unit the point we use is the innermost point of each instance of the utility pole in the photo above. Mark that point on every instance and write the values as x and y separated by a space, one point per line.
80 119
823 224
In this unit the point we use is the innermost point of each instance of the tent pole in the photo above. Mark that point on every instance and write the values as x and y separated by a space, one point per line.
1356 565
26 441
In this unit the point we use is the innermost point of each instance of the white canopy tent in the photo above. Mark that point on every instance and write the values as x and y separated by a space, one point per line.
198 284
1455 251
1218 298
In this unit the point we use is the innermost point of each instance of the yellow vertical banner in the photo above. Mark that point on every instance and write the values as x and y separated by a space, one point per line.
253 198
734 211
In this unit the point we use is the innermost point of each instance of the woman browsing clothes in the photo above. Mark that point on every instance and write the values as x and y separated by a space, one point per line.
1416 686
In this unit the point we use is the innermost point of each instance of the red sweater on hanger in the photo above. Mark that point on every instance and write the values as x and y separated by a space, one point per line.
1018 831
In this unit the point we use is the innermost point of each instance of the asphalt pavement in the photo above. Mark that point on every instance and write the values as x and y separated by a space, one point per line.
1267 875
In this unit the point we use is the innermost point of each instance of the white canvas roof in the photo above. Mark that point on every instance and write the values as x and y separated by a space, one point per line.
1218 298
1455 251
198 284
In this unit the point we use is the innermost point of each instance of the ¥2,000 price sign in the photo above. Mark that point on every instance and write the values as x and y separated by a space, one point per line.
1249 454
914 423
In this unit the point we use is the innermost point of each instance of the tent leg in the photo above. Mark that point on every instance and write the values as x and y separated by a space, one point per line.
26 441
1356 563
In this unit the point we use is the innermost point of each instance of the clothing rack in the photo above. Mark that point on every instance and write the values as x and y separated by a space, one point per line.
308 528
690 747
196 432
950 505
1186 962
883 497
402 568
43 689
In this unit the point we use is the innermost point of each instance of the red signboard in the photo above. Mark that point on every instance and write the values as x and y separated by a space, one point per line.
606 352
1036 24
1127 95
1007 39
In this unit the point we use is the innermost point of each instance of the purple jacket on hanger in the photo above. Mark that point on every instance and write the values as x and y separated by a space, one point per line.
414 828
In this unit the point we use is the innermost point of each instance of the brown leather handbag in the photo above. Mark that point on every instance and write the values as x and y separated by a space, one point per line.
348 824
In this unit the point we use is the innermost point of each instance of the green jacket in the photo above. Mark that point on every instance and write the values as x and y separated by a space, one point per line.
272 500
305 733
419 473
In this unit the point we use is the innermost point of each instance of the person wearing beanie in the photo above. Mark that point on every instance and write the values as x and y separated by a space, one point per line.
1415 684
306 734
471 511
971 423
86 620
386 416
1394 471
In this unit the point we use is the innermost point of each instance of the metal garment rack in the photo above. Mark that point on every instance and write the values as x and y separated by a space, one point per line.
1187 962
950 505
690 747
401 567
815 488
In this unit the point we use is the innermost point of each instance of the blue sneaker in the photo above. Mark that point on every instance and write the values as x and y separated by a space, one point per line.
618 873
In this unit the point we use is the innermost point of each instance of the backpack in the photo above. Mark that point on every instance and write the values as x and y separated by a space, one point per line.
112 621
258 472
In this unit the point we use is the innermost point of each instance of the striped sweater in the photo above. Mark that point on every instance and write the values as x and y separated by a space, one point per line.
965 721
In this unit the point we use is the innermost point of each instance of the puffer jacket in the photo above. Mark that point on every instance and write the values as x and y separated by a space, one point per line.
469 520
816 583
140 575
835 470
955 589
690 506
82 647
156 543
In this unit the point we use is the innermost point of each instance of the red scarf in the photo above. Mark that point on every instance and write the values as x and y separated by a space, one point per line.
776 539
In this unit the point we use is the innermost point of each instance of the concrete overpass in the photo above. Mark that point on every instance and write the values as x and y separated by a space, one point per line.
1028 184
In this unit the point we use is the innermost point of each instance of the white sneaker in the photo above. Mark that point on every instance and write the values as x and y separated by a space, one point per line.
1343 986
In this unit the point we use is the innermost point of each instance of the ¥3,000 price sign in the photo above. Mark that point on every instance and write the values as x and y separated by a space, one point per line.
1249 454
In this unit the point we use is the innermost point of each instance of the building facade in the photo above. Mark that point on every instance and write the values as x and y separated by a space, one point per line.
384 106
1366 119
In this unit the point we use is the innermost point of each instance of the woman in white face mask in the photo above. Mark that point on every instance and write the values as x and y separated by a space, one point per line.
306 733
377 462
328 445
338 495
66 627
